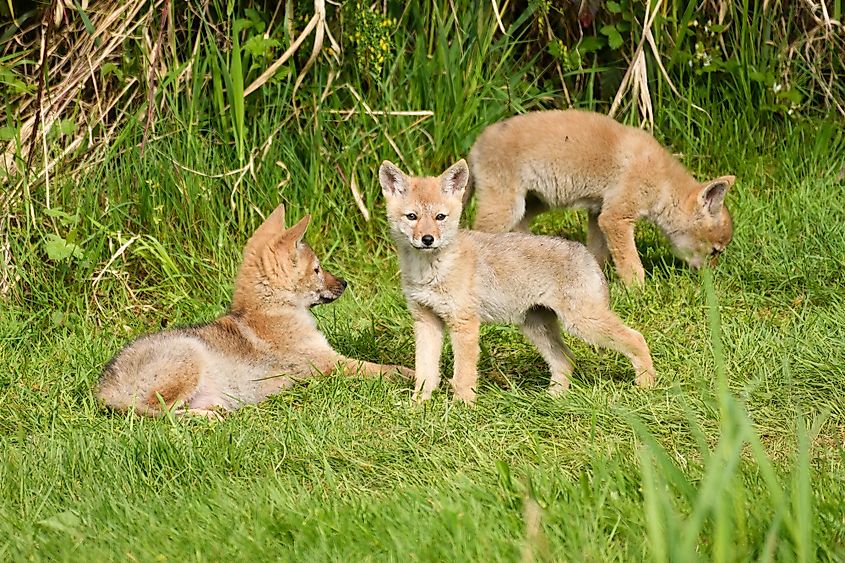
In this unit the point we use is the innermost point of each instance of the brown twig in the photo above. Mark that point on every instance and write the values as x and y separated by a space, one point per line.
151 77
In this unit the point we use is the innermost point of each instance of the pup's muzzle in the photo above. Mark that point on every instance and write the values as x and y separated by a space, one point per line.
333 291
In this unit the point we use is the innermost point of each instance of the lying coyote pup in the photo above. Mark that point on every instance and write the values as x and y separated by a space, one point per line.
462 278
530 163
267 342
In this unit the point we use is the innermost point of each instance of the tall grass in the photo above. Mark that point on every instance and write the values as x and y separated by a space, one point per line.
709 515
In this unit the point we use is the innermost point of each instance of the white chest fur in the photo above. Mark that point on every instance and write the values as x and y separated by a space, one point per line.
426 279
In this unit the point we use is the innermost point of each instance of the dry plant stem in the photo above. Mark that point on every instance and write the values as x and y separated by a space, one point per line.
372 114
42 78
329 82
498 17
68 74
636 77
114 257
550 36
271 70
322 29
320 14
5 248
46 158
151 77
356 194
628 80
412 113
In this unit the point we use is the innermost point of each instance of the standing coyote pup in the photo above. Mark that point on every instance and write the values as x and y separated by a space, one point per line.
461 278
266 343
530 163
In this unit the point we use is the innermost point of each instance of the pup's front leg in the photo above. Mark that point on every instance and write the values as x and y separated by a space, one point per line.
619 233
370 369
464 333
428 333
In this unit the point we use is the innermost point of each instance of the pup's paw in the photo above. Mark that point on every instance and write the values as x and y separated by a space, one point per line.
420 396
645 379
558 388
465 394
214 414
633 278
407 373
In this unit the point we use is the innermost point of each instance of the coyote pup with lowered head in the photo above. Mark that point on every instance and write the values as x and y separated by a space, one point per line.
530 163
460 278
267 342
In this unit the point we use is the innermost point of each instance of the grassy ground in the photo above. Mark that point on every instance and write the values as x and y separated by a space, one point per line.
736 455
349 469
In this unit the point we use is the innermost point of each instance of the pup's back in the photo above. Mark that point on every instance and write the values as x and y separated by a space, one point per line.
527 270
567 157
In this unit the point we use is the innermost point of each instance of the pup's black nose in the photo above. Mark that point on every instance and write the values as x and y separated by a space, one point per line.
428 240
343 283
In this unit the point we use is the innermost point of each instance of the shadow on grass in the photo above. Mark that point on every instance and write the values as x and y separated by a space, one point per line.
527 371
663 263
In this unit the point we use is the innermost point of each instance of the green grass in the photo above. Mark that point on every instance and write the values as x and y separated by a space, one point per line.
736 455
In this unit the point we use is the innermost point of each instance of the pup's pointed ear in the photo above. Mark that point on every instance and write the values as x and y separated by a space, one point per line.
274 223
712 194
273 226
294 234
393 181
277 217
454 180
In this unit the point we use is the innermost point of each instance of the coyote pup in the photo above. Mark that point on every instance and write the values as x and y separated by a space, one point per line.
266 343
530 163
460 278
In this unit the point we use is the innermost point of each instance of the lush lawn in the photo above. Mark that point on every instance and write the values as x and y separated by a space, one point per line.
349 469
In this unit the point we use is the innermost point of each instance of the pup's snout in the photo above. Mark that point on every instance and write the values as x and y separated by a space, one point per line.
333 289
427 240
335 285
338 286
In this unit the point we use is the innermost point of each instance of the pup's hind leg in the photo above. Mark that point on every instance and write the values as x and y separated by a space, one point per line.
598 325
498 210
174 381
542 328
596 243
464 334
370 369
143 376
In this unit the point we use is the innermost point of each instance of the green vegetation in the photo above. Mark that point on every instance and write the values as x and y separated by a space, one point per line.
738 454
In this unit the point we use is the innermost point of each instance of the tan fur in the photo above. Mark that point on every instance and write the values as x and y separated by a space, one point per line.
457 279
267 342
530 163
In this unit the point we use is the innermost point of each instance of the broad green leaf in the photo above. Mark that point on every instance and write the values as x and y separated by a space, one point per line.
8 133
591 43
59 249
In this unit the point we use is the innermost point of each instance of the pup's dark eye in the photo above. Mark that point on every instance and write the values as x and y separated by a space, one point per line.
715 252
411 216
440 216
317 270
